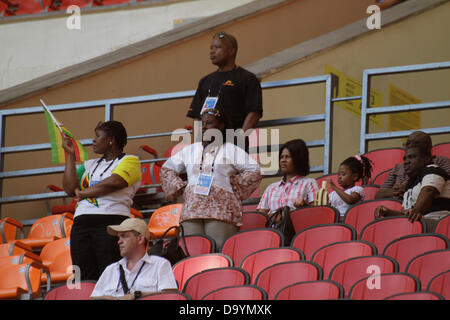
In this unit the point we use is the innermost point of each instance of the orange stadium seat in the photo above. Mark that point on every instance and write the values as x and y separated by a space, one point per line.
311 290
60 268
441 149
275 277
52 249
390 284
244 292
81 291
136 213
362 213
349 271
313 238
21 7
241 244
383 231
189 266
405 248
255 262
429 264
312 216
10 229
166 296
14 248
200 284
253 220
419 295
330 255
440 283
197 244
384 159
20 281
164 218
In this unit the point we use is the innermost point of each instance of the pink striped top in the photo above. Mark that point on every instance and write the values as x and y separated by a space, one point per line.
284 193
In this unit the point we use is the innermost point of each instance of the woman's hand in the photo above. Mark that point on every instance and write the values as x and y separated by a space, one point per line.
380 212
299 202
331 184
67 144
78 196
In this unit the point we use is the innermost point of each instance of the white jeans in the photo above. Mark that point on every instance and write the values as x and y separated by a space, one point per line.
216 229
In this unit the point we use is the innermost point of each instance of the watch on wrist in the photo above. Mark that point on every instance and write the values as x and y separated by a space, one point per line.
137 295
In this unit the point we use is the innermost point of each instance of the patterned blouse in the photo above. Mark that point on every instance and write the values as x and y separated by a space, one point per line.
235 176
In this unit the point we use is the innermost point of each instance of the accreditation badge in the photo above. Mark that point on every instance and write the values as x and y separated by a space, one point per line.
203 184
210 103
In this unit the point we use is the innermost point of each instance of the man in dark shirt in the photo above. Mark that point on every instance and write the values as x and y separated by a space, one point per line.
230 88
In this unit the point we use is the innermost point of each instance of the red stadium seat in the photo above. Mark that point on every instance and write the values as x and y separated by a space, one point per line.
381 177
62 5
349 271
441 149
378 287
254 220
80 291
10 230
370 191
360 214
311 239
21 7
427 265
189 266
175 149
419 295
200 284
383 231
197 244
245 292
440 283
312 216
97 3
275 277
443 226
3 7
311 290
166 296
405 248
150 171
241 244
384 159
330 255
255 262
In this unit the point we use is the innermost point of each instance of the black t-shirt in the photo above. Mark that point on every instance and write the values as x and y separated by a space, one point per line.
239 94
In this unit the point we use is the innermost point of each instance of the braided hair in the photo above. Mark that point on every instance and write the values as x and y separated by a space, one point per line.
116 130
360 165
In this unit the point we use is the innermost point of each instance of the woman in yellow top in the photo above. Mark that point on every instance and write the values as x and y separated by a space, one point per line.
104 189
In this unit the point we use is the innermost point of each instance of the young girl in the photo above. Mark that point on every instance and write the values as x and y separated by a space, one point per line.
351 170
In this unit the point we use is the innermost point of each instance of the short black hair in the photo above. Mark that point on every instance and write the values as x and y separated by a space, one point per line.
299 154
116 130
231 39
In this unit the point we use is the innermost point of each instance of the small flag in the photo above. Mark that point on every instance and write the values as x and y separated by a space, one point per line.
55 128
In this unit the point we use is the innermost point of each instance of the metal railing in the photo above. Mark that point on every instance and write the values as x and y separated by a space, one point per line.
367 111
110 104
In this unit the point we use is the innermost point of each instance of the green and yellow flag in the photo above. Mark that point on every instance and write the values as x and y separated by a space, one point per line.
55 128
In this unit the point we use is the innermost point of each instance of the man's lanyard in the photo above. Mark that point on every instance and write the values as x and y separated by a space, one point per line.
126 290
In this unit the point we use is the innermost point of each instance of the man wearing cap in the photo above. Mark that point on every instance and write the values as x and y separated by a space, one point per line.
137 273
231 88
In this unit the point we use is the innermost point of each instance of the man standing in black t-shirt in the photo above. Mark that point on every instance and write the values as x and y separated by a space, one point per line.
230 88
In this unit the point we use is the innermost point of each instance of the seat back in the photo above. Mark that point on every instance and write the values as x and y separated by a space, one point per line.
419 295
9 228
244 292
61 264
199 284
80 291
275 277
443 226
253 220
360 214
26 277
23 258
197 244
380 286
440 283
384 159
189 266
381 177
241 244
330 255
312 216
349 271
383 231
166 296
311 239
51 226
429 264
14 248
255 262
311 290
370 191
52 249
405 248
164 218
441 149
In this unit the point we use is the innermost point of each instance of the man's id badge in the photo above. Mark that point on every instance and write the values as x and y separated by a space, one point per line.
203 184
210 103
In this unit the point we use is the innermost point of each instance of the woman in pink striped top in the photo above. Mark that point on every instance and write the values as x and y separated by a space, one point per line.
294 190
